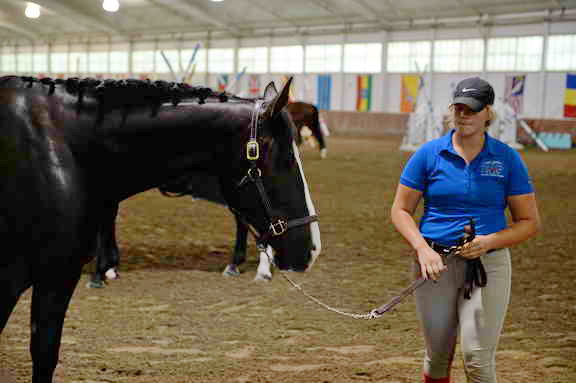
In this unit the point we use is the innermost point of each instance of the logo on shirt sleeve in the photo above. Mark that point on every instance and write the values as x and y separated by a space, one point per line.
492 168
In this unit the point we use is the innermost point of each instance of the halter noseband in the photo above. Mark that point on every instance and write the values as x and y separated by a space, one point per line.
277 225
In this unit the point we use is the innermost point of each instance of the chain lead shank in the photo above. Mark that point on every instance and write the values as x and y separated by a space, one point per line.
380 311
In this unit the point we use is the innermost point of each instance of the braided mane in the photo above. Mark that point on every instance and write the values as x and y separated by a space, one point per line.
129 93
151 91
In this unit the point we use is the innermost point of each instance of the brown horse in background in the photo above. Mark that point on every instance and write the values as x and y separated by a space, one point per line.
305 114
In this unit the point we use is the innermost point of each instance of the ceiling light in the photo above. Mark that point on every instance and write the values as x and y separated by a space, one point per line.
216 1
111 5
32 10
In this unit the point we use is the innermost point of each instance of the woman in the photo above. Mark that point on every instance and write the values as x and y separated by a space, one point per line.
465 175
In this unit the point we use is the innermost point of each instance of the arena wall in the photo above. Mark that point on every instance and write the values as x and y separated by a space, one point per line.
346 123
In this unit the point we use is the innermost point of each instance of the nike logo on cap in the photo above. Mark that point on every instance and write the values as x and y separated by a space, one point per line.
468 89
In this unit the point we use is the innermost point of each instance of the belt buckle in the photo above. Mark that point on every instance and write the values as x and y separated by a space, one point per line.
440 249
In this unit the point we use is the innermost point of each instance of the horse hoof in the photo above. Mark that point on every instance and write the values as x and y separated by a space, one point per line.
323 153
263 277
95 284
231 271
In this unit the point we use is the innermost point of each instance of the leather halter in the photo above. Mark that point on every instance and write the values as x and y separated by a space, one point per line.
277 225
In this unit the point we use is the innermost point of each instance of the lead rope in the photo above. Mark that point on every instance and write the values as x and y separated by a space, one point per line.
263 249
373 314
380 311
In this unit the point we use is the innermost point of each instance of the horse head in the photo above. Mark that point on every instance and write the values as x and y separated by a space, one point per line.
269 190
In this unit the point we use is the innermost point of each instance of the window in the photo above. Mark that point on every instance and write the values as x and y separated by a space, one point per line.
98 62
173 58
514 53
323 58
561 52
255 60
143 61
78 62
9 63
287 59
363 58
59 62
199 63
119 62
529 56
458 55
24 62
221 60
40 62
409 56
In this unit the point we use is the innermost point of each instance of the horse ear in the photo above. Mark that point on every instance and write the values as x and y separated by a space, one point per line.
281 100
270 91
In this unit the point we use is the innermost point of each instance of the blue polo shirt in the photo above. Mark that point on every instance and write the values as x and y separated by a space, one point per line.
454 191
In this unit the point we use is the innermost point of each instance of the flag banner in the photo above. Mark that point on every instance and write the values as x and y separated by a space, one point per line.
324 91
570 96
409 92
364 92
514 92
254 85
222 82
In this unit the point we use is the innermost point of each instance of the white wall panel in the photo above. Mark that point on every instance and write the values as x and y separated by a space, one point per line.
554 103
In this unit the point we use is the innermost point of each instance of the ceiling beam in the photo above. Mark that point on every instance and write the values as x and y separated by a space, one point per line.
181 7
371 15
63 9
365 10
262 5
328 7
17 29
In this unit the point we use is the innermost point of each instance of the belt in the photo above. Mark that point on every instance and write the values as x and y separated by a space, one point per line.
442 250
475 272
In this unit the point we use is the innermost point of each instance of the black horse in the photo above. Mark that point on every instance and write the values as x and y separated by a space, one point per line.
198 186
206 187
71 150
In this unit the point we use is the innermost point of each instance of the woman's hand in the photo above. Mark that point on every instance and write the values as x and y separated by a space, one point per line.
431 263
476 248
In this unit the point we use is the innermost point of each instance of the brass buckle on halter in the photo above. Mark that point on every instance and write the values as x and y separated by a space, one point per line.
252 150
279 227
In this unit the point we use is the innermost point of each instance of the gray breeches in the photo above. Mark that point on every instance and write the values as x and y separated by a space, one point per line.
445 315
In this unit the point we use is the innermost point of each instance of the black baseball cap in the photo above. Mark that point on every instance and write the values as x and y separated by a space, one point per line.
474 92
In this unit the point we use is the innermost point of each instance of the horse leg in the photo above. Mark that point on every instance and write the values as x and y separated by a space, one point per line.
298 135
14 280
50 301
239 255
264 272
111 244
98 278
317 132
107 252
